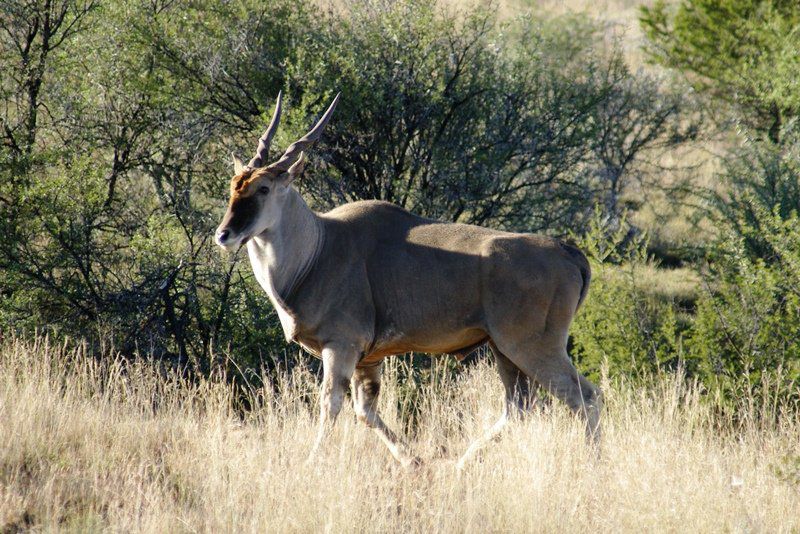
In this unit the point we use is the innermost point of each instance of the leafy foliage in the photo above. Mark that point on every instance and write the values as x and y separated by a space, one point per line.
742 52
749 320
473 129
761 177
737 337
625 326
477 126
118 118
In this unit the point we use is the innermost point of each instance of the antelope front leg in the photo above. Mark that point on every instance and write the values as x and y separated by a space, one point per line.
338 364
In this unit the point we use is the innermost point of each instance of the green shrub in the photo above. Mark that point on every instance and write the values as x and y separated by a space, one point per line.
741 52
741 336
116 124
759 177
745 334
624 325
457 117
747 327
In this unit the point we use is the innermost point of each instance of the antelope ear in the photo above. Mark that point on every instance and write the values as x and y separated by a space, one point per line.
238 166
295 170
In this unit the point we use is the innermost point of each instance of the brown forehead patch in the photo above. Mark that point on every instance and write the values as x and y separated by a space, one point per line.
244 183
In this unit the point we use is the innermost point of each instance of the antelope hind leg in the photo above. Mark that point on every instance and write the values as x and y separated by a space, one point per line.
561 378
365 387
555 372
520 398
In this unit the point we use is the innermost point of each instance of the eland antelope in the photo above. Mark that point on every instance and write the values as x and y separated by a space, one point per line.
369 280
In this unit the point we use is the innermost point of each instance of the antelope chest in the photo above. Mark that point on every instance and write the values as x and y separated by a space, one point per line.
288 321
260 264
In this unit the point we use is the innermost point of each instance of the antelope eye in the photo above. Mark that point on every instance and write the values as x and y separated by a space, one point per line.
263 189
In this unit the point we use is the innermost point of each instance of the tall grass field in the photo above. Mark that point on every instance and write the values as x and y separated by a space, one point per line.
92 444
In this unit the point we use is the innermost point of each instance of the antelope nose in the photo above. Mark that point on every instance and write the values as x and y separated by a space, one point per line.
222 236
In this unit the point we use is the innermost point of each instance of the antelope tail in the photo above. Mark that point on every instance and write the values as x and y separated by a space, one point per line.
579 258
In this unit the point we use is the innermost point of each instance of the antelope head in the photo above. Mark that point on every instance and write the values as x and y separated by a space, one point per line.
259 191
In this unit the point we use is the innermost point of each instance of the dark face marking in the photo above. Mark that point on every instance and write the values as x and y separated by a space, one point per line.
242 212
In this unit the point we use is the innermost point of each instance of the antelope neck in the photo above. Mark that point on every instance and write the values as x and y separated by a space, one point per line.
289 249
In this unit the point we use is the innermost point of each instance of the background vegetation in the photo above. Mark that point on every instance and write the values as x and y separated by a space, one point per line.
118 120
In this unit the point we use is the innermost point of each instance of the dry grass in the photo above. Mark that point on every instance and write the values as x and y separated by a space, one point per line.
682 284
90 446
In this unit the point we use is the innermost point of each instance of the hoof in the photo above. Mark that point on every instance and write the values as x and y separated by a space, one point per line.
412 462
461 464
